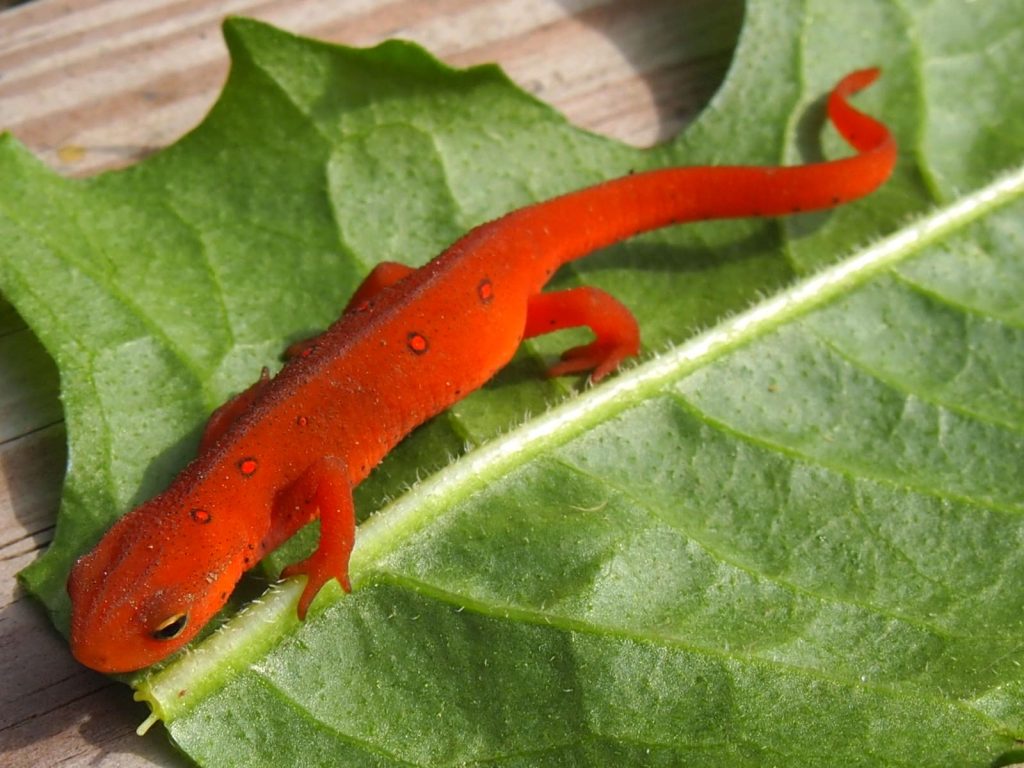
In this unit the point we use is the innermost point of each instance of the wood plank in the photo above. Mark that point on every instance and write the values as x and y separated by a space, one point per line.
104 85
99 84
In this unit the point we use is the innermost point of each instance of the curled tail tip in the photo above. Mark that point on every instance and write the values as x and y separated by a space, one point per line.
861 131
870 74
858 80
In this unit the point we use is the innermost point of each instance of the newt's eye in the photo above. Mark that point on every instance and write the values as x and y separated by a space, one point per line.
171 627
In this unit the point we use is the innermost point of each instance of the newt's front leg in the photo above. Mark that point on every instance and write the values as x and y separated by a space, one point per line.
222 418
384 275
322 489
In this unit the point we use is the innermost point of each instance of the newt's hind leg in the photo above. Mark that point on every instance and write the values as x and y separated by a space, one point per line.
322 490
227 414
615 329
384 274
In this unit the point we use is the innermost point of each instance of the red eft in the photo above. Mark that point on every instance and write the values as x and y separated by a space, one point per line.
409 344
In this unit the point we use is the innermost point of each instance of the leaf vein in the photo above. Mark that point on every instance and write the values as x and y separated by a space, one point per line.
739 565
903 388
559 623
306 714
850 471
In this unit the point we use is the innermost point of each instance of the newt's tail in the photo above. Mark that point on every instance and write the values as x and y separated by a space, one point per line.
571 226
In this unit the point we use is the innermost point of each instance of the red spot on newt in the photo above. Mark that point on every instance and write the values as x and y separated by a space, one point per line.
485 290
148 587
200 515
417 342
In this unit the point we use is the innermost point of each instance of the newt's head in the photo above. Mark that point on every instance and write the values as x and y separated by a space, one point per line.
153 581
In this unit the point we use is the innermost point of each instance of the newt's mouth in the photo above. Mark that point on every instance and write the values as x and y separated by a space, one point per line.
94 658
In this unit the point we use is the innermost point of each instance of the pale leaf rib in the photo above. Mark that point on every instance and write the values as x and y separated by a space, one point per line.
392 526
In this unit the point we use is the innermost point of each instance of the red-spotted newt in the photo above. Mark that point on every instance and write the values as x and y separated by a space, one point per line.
410 343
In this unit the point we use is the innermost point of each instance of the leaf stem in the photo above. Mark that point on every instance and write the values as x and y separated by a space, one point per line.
203 669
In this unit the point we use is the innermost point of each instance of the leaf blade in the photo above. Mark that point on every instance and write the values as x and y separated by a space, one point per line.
750 627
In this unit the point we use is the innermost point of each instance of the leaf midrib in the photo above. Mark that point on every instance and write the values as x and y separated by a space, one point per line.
427 500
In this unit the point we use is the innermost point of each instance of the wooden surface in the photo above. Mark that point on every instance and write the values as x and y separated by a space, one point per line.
96 84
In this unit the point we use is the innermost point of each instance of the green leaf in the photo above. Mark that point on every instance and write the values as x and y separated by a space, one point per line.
793 537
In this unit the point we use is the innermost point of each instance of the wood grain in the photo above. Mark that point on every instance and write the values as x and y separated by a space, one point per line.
98 84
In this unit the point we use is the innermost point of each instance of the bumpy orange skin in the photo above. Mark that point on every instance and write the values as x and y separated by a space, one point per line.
291 448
